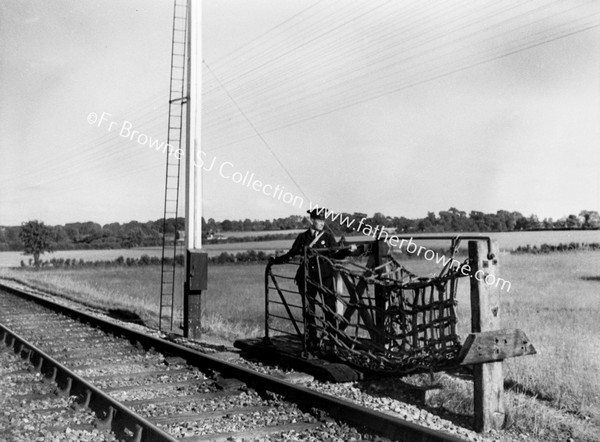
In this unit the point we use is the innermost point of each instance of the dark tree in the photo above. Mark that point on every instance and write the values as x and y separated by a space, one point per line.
573 222
378 219
37 239
591 219
227 225
404 225
478 221
247 225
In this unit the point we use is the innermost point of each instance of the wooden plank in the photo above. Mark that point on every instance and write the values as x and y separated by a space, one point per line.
494 346
287 351
488 381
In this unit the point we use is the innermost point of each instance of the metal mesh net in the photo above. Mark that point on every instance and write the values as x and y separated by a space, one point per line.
381 318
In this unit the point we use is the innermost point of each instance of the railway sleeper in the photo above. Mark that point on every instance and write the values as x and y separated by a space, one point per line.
187 398
154 386
139 374
259 433
67 355
108 365
207 415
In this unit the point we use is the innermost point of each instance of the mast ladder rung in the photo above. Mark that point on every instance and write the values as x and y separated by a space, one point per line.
177 97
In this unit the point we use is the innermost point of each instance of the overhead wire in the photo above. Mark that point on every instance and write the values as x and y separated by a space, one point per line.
254 129
265 143
325 34
62 155
88 153
230 141
365 55
287 92
246 46
272 77
256 90
262 74
248 91
276 40
385 88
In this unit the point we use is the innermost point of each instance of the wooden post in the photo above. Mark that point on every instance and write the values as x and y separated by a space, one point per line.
267 339
381 250
485 316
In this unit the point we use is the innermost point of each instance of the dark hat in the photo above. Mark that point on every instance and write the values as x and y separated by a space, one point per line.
317 213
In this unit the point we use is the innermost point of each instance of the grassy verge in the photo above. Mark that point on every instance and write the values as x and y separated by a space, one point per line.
554 298
233 309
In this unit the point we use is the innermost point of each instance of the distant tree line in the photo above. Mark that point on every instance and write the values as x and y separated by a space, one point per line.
90 235
247 225
451 220
454 220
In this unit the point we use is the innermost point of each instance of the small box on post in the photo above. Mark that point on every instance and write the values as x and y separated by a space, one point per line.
195 282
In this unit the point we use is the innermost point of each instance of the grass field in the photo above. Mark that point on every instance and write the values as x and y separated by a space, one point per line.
554 298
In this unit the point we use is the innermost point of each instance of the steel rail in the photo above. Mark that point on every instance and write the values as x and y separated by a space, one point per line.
123 422
375 421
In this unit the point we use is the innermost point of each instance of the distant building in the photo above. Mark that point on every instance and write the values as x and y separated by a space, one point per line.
215 236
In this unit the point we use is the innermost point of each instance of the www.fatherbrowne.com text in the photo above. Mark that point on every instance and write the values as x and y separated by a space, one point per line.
379 233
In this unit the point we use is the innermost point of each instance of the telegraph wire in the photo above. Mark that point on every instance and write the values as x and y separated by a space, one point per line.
69 157
275 43
313 105
289 93
411 84
244 47
89 152
257 133
403 14
265 82
261 82
368 61
434 73
303 44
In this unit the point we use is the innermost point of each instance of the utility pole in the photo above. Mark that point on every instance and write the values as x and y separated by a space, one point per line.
196 261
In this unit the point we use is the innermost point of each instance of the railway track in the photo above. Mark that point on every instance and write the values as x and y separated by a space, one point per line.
144 388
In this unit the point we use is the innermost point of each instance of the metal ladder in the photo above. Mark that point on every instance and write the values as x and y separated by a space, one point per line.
177 101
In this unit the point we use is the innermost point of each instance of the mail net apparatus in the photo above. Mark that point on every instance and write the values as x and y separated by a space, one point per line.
369 310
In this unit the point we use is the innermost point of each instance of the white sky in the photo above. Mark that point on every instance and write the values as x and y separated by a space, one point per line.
517 132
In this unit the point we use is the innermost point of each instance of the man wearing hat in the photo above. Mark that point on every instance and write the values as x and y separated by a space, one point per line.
315 237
